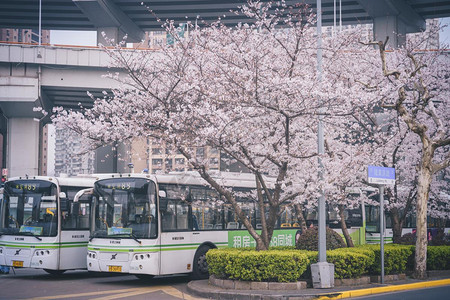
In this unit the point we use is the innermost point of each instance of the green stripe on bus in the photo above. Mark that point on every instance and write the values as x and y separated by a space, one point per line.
45 245
154 248
128 247
123 250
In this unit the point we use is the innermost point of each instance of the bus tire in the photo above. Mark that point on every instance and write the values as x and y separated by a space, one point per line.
200 266
54 272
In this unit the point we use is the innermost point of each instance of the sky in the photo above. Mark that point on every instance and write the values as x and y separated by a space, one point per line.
444 35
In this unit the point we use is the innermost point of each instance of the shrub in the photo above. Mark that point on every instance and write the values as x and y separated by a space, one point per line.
395 258
408 239
286 265
251 265
440 239
309 240
348 262
351 262
438 258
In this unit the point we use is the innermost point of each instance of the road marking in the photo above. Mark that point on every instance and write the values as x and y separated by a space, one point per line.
138 291
384 289
81 294
123 293
176 293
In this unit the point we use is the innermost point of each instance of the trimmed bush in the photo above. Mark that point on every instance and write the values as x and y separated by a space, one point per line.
309 240
348 262
251 265
351 262
395 258
408 239
438 258
286 265
440 239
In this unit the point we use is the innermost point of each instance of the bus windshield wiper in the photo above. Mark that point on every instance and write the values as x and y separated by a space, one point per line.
94 235
134 237
29 234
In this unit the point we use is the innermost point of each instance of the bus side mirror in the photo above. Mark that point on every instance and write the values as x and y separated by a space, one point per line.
162 194
63 201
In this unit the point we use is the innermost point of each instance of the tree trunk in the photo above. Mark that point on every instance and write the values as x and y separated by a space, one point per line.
397 225
348 238
300 216
423 189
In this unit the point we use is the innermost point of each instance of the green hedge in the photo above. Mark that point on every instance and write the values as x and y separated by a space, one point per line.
395 258
351 262
283 264
438 258
348 262
251 265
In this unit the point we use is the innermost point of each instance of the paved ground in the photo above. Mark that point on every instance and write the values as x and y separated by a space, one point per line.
36 284
201 288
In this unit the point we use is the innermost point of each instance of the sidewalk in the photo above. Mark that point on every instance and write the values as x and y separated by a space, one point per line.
202 288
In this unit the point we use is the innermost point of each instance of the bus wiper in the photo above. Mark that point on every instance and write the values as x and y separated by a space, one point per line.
134 237
92 236
29 234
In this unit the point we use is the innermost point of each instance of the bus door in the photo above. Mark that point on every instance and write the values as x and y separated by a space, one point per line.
75 224
176 236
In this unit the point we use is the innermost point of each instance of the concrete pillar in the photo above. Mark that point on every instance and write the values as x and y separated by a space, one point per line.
392 27
23 146
111 33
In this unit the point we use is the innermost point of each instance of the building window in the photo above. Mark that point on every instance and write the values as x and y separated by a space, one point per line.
169 163
157 162
200 153
156 151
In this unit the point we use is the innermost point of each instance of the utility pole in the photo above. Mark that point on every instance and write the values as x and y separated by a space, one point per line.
322 272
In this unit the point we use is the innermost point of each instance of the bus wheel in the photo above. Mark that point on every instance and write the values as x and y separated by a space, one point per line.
144 276
200 266
54 272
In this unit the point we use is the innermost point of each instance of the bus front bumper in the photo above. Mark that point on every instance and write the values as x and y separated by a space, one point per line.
123 262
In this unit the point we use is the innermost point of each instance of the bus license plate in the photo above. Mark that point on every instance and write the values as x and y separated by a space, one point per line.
115 268
17 263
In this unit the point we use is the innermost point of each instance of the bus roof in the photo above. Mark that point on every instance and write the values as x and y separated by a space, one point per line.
79 181
229 179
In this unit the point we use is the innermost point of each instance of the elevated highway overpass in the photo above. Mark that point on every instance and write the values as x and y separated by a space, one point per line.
58 76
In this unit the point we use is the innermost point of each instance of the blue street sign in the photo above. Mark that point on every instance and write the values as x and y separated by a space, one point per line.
381 175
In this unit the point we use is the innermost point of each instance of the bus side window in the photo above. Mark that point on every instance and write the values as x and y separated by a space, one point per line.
77 215
168 217
206 214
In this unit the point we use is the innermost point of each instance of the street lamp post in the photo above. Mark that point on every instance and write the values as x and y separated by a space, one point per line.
322 272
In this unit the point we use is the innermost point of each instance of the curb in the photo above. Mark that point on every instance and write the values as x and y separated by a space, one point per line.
222 294
384 289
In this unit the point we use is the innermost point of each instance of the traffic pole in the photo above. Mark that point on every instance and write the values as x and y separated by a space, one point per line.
381 190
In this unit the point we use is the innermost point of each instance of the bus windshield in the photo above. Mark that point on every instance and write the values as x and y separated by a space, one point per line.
30 208
125 208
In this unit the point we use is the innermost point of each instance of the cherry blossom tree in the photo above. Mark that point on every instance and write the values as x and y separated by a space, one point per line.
249 91
416 85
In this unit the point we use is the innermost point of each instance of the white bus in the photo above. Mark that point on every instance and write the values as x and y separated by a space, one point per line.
41 226
164 224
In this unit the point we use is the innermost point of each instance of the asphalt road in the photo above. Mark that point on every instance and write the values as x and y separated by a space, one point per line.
442 292
37 284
